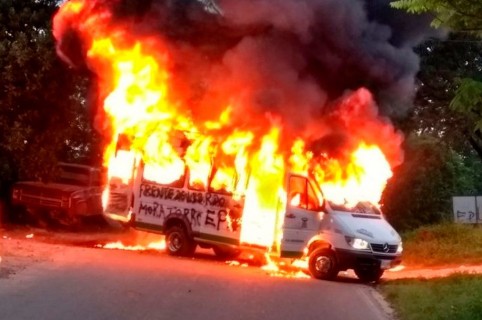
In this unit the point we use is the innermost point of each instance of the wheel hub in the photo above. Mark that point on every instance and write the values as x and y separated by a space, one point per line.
175 242
323 264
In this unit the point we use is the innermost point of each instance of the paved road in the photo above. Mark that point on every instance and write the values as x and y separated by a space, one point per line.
57 281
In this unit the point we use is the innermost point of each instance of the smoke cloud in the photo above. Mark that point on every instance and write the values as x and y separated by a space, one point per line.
295 61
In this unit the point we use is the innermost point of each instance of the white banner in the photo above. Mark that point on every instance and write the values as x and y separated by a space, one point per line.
465 209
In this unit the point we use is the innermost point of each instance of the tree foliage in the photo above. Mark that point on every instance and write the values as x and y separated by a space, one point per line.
465 16
469 101
461 15
439 159
442 64
43 118
422 188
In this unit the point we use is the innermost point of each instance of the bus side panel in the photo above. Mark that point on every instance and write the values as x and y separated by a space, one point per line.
211 216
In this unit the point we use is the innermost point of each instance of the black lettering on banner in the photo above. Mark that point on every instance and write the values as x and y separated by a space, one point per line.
192 215
221 217
195 216
175 211
170 194
154 209
155 193
187 215
142 190
209 219
179 196
208 199
471 215
214 200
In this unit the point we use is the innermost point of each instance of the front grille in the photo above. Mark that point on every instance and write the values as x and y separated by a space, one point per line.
41 201
377 247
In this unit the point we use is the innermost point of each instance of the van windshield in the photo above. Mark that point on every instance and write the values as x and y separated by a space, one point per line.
361 207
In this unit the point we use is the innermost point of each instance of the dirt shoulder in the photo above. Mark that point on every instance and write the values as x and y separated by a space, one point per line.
23 246
409 272
18 253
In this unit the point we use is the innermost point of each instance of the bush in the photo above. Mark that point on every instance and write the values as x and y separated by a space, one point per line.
421 189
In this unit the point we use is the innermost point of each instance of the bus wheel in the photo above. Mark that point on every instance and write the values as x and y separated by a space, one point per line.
369 274
178 242
322 264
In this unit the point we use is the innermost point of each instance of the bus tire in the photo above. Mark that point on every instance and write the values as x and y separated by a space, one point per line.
178 242
322 264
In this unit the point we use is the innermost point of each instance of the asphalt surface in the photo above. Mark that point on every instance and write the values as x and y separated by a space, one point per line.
65 276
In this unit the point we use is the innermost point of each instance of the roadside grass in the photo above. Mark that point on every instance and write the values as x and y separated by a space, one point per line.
456 297
447 244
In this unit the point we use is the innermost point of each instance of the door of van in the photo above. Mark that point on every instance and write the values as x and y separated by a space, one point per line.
302 216
118 200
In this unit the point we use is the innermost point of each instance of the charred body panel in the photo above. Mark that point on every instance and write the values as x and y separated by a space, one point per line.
75 192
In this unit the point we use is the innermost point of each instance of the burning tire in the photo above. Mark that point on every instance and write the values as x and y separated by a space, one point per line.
178 242
225 252
369 274
322 264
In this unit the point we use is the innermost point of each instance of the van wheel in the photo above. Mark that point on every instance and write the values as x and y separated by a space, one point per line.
225 252
369 274
178 243
322 264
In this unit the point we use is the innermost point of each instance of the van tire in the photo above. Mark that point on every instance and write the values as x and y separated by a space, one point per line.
368 274
226 253
322 264
178 242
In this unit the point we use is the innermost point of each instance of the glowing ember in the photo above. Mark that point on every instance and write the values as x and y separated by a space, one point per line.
160 245
397 268
279 269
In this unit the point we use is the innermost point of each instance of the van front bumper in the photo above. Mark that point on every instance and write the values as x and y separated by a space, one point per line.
351 259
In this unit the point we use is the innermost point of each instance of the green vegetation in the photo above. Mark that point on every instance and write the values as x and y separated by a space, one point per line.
420 192
442 151
456 297
464 16
43 110
443 244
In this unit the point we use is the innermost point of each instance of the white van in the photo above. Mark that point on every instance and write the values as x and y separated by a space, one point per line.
332 237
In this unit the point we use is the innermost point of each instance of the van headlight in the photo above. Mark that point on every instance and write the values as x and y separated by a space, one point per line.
400 248
357 243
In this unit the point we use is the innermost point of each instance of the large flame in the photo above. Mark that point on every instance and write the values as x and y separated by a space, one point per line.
140 98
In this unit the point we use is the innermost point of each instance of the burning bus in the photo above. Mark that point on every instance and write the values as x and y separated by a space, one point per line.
225 210
231 130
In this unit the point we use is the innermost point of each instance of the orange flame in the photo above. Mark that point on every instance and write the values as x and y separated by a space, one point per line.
140 101
118 245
